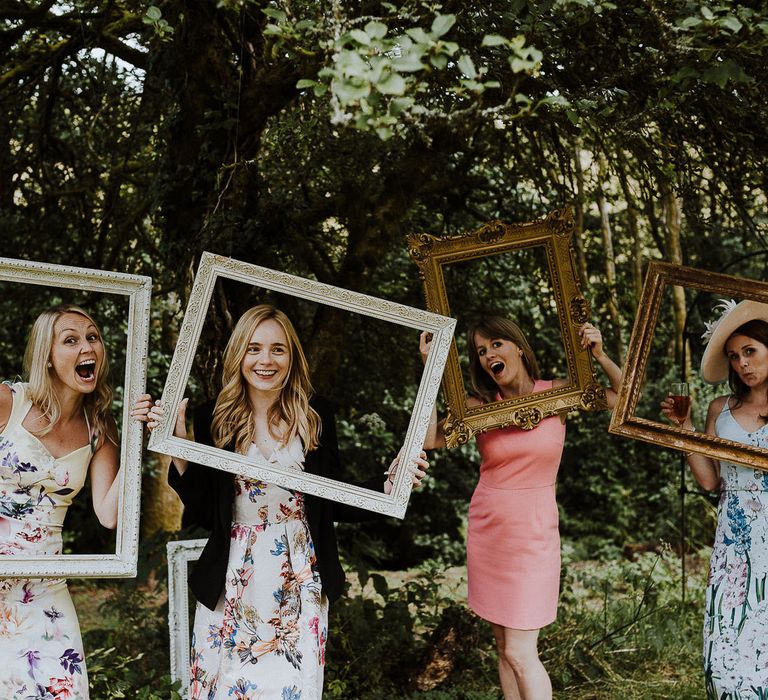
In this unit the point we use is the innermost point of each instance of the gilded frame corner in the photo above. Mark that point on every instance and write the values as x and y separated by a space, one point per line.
623 422
138 289
214 266
554 232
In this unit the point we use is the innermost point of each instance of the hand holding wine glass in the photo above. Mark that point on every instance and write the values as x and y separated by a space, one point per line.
677 405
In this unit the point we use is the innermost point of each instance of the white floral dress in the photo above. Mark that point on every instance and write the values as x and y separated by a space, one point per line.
736 614
266 638
41 652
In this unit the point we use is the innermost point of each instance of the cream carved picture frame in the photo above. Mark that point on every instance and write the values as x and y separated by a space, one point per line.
213 267
432 254
180 553
659 278
137 289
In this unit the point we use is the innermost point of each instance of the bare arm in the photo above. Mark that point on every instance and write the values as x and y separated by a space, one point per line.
152 414
6 405
105 484
592 338
705 470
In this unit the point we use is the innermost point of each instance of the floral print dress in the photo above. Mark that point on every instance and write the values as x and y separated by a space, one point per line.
736 614
40 646
266 637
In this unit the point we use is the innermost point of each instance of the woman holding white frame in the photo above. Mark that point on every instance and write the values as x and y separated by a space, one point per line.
271 566
55 429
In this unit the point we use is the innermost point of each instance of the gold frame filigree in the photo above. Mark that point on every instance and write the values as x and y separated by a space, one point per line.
624 422
583 391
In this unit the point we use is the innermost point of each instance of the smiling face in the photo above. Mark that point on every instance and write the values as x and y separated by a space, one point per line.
748 359
77 353
267 360
501 359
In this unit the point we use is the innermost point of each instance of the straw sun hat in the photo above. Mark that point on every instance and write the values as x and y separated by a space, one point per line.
714 363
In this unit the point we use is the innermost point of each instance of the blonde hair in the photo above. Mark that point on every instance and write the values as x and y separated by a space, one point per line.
39 373
232 421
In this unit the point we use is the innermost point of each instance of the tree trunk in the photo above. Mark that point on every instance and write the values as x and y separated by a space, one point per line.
672 207
578 233
634 230
610 262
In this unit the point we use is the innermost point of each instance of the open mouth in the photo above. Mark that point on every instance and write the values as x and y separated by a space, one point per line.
497 368
266 373
86 369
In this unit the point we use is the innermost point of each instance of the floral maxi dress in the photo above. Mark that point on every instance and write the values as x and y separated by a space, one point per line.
736 614
41 652
266 637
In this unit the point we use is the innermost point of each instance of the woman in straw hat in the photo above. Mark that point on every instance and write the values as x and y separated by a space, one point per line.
736 612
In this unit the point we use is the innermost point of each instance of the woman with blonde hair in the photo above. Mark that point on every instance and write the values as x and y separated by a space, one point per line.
271 565
55 429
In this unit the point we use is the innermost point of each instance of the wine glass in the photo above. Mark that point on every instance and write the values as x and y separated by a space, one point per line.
681 401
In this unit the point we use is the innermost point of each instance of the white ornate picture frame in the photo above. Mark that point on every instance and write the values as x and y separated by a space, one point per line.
214 266
137 288
180 553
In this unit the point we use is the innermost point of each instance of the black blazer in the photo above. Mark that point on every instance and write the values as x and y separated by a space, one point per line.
208 496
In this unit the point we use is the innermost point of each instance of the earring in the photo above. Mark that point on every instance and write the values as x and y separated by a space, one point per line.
49 365
520 352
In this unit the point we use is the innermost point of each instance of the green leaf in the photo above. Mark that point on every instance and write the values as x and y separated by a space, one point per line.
154 13
376 30
707 13
689 22
274 13
384 133
439 61
320 89
393 84
442 24
419 35
400 104
731 22
305 83
408 63
360 37
347 91
721 73
467 67
494 40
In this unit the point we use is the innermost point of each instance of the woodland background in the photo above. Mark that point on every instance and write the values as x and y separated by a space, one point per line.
313 137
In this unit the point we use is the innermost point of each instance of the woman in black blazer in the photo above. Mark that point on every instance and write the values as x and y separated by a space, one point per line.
271 565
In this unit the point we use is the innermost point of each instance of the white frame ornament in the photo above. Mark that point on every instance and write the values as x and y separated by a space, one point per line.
214 266
180 553
138 289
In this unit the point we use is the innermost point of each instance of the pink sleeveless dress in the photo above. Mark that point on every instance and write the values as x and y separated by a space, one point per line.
513 543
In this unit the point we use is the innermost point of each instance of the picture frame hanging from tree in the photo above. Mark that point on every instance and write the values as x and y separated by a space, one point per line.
540 258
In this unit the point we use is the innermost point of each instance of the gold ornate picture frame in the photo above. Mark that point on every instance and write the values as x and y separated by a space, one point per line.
137 288
554 234
659 278
213 267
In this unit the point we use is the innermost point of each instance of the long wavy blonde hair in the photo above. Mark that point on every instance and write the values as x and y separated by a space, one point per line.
39 374
233 415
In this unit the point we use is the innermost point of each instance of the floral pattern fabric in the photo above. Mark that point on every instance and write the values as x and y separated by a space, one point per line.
40 645
736 613
266 637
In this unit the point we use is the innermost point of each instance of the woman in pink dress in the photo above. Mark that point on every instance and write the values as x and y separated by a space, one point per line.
513 541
